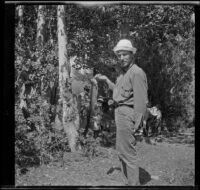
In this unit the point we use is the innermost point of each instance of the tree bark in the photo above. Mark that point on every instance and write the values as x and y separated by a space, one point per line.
40 41
41 38
26 90
20 12
124 29
68 102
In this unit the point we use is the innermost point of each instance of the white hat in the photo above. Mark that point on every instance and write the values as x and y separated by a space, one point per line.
124 44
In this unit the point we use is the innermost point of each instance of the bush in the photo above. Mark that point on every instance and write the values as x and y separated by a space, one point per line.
38 145
89 145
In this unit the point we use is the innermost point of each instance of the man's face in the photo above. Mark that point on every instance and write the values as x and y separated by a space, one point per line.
125 58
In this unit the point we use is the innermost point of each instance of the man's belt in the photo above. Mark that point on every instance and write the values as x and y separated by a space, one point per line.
114 104
119 105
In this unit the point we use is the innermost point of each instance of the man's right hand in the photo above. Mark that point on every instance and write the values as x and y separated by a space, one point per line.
106 79
101 77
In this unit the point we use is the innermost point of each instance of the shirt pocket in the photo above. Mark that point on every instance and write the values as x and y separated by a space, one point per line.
126 92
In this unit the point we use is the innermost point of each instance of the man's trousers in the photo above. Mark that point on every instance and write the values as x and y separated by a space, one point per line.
127 122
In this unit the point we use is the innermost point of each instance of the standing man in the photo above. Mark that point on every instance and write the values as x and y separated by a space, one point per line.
130 95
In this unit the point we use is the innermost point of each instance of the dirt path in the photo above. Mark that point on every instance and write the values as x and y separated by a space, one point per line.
172 163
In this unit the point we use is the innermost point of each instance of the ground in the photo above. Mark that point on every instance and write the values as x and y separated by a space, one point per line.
170 162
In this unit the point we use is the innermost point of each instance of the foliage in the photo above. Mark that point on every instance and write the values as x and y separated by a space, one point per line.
156 31
90 145
25 151
165 41
40 145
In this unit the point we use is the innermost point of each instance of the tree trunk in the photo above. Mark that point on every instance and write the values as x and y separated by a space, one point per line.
26 89
124 29
20 28
41 38
20 12
70 118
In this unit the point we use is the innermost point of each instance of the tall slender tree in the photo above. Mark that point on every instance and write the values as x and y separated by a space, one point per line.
41 26
40 41
20 12
20 32
124 28
70 118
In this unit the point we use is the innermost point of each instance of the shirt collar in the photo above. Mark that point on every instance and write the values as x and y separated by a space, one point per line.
123 71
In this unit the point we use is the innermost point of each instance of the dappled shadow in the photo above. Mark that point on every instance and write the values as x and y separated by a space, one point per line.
144 176
112 169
